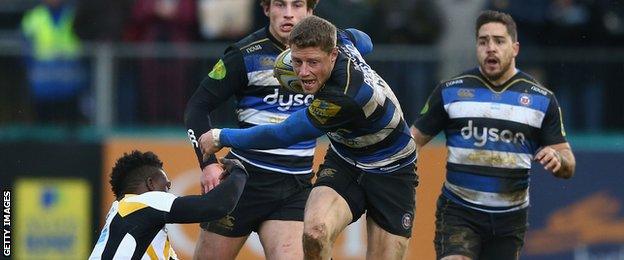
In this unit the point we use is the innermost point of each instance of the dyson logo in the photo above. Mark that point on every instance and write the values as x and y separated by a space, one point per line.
482 135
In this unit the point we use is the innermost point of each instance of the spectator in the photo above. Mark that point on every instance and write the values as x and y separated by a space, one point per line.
225 19
163 81
54 68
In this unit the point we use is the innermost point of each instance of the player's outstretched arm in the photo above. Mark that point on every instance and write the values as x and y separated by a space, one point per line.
212 205
558 159
296 128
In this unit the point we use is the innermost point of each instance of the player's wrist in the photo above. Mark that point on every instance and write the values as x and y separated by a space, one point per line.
216 139
560 158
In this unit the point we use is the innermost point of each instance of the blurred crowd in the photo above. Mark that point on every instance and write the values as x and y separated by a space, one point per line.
154 90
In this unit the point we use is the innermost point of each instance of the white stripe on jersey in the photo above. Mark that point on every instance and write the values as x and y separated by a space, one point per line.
259 117
126 248
366 140
291 152
519 114
377 99
98 249
517 199
489 158
262 78
405 152
268 167
158 244
156 199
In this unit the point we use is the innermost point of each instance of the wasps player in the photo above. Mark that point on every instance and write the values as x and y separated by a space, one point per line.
135 223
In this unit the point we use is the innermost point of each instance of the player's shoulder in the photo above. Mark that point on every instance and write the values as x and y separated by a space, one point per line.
154 199
259 41
465 79
345 77
530 85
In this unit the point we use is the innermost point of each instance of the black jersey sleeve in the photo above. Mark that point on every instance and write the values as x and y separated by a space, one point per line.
331 112
214 204
552 131
433 117
226 78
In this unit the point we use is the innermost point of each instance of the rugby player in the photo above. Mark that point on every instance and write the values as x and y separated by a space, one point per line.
135 224
280 182
370 166
497 120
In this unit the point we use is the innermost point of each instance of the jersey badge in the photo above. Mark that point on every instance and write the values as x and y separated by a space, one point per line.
267 61
465 93
524 99
218 71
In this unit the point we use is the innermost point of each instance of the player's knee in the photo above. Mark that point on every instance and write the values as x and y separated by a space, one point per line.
315 238
456 257
401 244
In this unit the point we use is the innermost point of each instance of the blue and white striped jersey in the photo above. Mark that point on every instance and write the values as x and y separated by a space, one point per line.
245 71
261 101
492 135
362 116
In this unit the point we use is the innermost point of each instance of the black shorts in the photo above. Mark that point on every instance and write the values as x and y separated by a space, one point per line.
476 234
267 196
389 199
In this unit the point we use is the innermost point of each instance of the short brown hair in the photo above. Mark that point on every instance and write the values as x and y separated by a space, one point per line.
314 31
490 16
311 4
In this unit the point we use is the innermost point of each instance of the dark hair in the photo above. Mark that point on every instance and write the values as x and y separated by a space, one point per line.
132 170
311 4
489 16
314 31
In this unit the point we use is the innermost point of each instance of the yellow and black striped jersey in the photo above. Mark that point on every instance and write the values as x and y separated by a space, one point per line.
135 228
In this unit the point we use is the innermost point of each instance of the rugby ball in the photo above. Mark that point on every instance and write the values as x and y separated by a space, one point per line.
285 74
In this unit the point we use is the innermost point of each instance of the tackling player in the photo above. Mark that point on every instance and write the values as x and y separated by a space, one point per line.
135 224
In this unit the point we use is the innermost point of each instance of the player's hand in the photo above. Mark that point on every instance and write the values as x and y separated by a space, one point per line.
232 165
210 177
549 158
208 144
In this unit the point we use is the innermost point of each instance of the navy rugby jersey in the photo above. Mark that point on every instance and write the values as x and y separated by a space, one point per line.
491 136
355 108
362 117
246 71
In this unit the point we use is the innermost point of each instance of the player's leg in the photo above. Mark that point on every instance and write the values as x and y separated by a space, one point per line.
383 244
391 205
509 229
281 234
214 246
335 201
456 235
282 239
223 238
326 215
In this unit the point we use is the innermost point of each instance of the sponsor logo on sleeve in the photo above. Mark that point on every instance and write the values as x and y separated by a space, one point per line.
322 110
218 71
